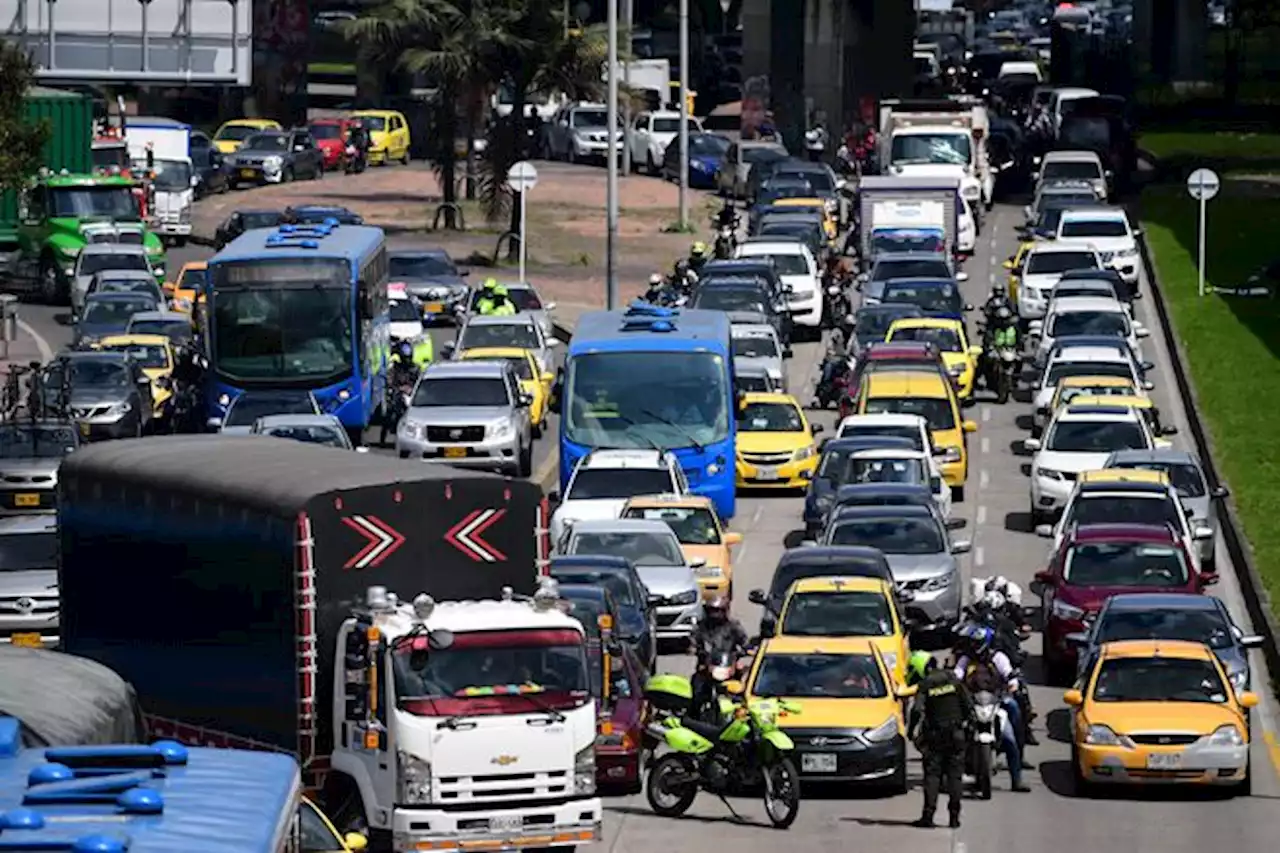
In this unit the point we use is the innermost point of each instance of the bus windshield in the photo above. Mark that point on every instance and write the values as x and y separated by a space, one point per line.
647 399
287 319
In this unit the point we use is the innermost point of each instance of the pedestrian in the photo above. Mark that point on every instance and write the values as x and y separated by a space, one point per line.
947 710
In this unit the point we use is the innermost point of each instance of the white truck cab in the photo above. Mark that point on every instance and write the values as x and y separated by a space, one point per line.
467 724
946 138
160 148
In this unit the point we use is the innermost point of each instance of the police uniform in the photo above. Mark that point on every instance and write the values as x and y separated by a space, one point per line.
948 709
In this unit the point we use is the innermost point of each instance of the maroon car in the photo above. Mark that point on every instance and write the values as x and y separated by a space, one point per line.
892 355
620 720
1097 561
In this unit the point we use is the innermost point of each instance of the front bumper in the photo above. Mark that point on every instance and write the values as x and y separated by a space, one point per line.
16 500
1049 495
676 621
933 608
172 229
1031 306
713 586
97 429
839 757
1199 764
617 767
805 312
588 149
495 453
564 824
955 472
259 173
786 475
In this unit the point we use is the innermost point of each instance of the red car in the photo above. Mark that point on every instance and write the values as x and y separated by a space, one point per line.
621 718
895 355
1097 561
330 135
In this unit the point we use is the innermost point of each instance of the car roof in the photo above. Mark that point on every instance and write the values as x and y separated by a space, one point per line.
161 315
927 323
1119 414
136 340
801 645
831 555
920 281
887 257
744 366
1093 213
889 453
1054 248
779 247
268 421
1090 353
882 419
141 275
418 253
520 319
1158 454
101 355
1143 601
776 397
113 249
669 500
451 369
854 513
837 583
752 330
1067 304
612 458
898 349
1156 648
621 525
116 296
1160 533
1071 155
594 562
1086 380
902 383
885 490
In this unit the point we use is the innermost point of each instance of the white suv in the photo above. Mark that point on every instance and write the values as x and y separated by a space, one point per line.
1044 265
605 480
1073 316
798 269
1107 231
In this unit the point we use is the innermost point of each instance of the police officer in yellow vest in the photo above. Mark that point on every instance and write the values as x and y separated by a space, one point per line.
494 300
947 713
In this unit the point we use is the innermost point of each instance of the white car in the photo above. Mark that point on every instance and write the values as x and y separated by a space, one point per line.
759 344
900 465
1086 315
798 270
406 317
1061 97
1074 166
1079 439
1082 361
651 133
518 331
1107 231
1043 266
604 480
967 236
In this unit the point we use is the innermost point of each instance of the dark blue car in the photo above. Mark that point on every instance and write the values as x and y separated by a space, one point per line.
936 297
619 576
832 472
706 154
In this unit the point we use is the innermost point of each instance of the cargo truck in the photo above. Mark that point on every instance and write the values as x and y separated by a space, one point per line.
900 214
160 148
255 611
944 137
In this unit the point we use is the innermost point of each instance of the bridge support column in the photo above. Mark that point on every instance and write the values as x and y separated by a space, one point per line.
1170 39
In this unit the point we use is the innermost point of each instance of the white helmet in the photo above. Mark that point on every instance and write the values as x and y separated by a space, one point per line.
1002 583
994 600
655 279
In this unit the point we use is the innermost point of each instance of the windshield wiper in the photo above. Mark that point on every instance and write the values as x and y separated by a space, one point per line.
552 714
693 442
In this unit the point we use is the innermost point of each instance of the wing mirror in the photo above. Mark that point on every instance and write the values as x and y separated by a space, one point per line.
1031 444
962 276
961 546
1044 531
1074 698
756 596
957 523
362 449
1078 639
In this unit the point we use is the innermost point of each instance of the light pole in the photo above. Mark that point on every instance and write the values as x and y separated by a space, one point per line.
611 191
629 17
684 114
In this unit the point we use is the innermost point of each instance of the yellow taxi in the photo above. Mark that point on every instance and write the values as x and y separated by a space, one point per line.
388 135
829 224
776 446
850 726
188 289
960 358
706 544
1159 711
320 835
533 381
1140 403
844 607
1014 265
933 398
1120 476
154 354
1071 387
233 133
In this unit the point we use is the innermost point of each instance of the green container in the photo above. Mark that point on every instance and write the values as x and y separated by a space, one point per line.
70 144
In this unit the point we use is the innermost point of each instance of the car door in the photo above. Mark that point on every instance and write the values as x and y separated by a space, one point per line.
32 230
308 157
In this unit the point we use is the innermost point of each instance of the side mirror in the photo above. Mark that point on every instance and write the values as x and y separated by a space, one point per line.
817 428
1044 531
355 841
1141 332
553 497
787 352
961 546
1008 264
1035 326
768 626
1074 698
1208 579
734 686
1078 639
970 426
1168 430
550 306
957 523
1147 366
465 273
654 600
448 349
1248 700
1251 641
1032 444
732 538
756 596
1220 492
968 307
1137 232
975 351
904 692
552 343
1202 533
214 424
525 401
1148 385
962 276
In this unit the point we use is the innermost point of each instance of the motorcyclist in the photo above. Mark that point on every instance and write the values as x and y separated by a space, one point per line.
984 668
683 276
697 257
718 632
834 364
494 300
999 298
654 293
727 216
919 665
815 140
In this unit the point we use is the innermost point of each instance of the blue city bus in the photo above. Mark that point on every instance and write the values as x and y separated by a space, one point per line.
653 378
301 308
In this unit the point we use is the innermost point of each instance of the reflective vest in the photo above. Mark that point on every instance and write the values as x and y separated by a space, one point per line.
490 307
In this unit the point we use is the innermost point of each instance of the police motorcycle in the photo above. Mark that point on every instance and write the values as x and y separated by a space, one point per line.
661 291
726 225
400 382
834 374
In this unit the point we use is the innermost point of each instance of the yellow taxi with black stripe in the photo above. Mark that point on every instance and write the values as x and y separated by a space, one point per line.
829 224
188 289
533 381
1159 712
233 133
960 358
851 728
776 444
154 354
1071 387
821 608
320 835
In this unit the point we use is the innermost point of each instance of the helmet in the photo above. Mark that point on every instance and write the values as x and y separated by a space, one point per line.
994 599
406 349
997 290
1000 582
719 604
655 280
490 283
919 665
698 249
682 266
500 290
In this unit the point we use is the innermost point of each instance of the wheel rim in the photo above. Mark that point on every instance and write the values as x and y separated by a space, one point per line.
778 792
665 794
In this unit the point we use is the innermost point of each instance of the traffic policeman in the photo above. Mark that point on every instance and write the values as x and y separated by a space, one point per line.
494 300
947 710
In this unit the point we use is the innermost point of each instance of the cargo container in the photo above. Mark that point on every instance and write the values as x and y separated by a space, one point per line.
70 117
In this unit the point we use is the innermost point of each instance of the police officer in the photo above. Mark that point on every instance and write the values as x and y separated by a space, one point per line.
946 711
494 301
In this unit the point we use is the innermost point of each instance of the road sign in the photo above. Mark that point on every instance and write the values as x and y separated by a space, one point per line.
522 177
467 535
1203 184
382 540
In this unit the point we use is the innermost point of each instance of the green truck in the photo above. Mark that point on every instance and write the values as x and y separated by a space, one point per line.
65 207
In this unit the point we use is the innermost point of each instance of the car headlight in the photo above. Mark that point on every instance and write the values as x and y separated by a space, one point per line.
501 430
1048 474
119 410
1226 736
713 469
710 572
802 454
971 192
687 597
584 770
615 739
408 426
1062 610
951 454
273 162
1127 253
414 776
884 732
939 583
1103 736
801 295
182 304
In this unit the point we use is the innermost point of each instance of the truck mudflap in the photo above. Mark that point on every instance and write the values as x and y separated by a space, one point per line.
565 824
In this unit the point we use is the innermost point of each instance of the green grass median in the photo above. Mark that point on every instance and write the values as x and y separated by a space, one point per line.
1232 344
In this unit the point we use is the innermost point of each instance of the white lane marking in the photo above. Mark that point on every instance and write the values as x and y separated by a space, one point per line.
986 414
755 516
986 445
981 517
46 351
979 557
984 479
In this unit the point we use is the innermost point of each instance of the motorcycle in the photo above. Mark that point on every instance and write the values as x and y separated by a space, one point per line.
355 160
746 749
661 293
399 390
834 380
989 722
726 242
1006 364
836 309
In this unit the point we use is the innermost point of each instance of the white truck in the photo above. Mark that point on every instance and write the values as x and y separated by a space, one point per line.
939 138
162 148
645 76
901 214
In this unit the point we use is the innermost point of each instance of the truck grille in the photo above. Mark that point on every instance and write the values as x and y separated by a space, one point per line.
505 786
766 458
1106 257
29 605
445 435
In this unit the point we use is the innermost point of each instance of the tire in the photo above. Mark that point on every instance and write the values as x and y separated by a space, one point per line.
526 461
1083 787
404 159
652 166
403 454
786 774
1245 788
669 765
286 177
898 781
982 770
537 429
957 494
1003 388
319 173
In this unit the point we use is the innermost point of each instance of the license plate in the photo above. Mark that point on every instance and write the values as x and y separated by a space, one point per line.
433 308
818 762
455 452
26 500
30 641
1164 761
766 472
506 823
248 173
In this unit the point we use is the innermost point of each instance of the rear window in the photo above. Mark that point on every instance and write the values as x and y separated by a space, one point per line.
1048 263
1095 228
937 411
1086 368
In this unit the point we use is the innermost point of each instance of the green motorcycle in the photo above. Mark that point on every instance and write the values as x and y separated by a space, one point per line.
746 749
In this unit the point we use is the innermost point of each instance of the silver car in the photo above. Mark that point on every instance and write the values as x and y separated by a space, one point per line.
654 550
757 344
519 331
325 430
469 413
100 257
29 581
244 411
921 556
750 377
30 454
1187 476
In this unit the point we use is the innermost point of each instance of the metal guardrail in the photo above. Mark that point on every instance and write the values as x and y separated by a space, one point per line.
1251 587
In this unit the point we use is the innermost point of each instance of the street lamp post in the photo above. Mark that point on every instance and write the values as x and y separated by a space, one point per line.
684 114
611 157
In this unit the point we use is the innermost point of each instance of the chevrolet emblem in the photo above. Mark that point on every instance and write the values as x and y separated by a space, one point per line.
504 760
455 433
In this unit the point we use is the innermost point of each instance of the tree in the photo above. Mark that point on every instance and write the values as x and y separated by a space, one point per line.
21 141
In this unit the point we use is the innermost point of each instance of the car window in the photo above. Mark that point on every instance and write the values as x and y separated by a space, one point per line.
1061 369
313 434
946 339
1159 680
916 535
486 335
1094 228
1139 564
1082 436
838 614
830 676
248 407
94 262
461 391
755 346
937 411
1186 478
1195 625
691 525
642 549
1156 510
1048 263
315 835
615 483
770 417
35 442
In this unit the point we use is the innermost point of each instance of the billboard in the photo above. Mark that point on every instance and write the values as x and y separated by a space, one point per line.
165 42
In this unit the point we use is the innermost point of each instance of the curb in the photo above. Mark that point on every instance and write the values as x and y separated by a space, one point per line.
1251 587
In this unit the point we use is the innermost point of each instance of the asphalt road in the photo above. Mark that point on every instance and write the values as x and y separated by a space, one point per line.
1050 817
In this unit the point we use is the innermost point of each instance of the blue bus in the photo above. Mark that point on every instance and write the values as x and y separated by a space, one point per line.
653 378
301 308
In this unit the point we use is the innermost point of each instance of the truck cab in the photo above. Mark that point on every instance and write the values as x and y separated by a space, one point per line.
467 723
939 138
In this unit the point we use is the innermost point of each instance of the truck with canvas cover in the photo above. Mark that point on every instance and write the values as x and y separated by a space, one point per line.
275 546
945 137
61 699
901 214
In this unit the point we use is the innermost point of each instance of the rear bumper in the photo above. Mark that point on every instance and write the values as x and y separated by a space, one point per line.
562 825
